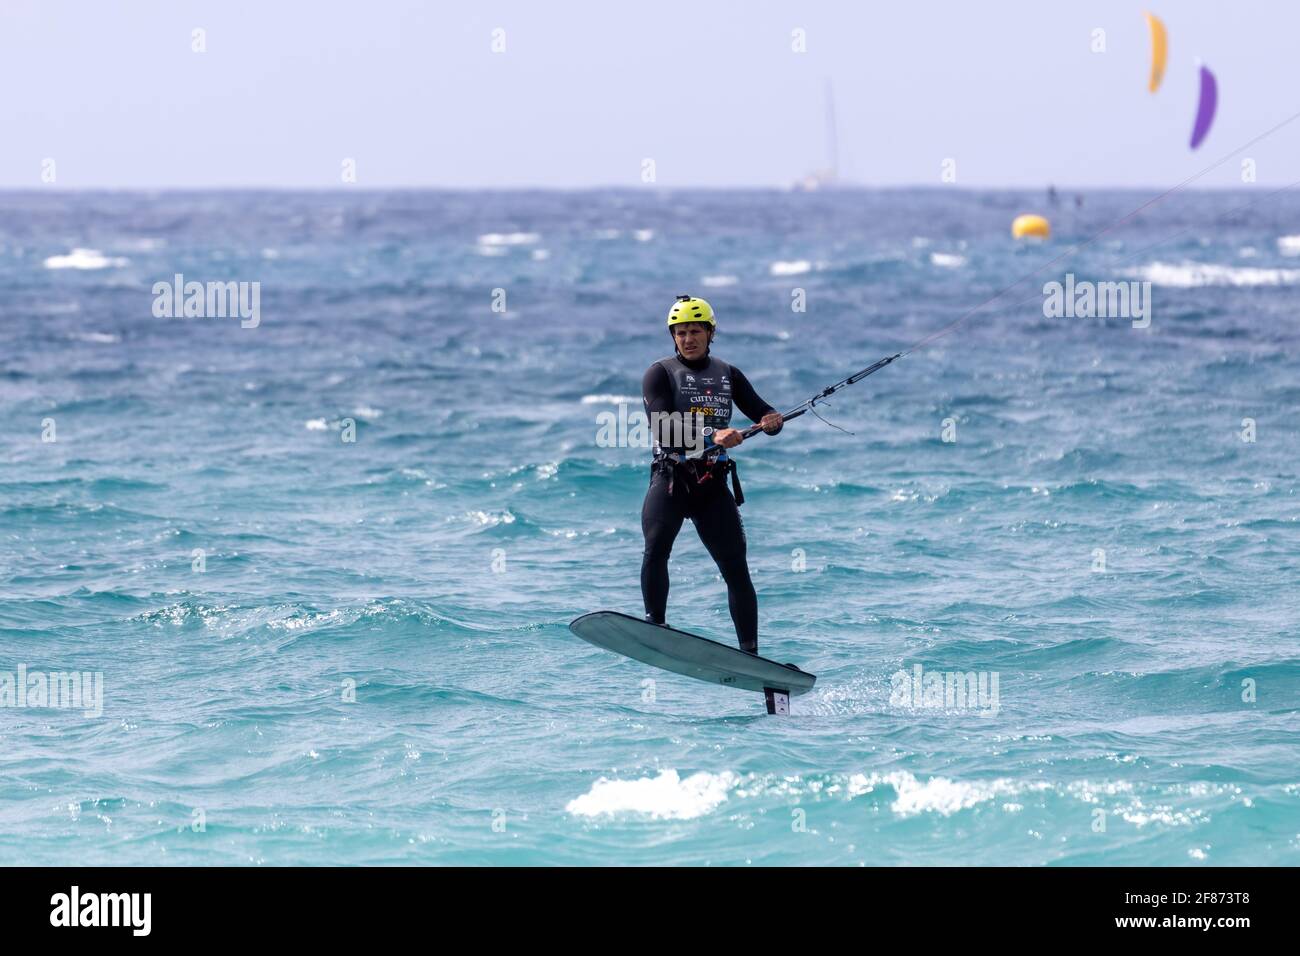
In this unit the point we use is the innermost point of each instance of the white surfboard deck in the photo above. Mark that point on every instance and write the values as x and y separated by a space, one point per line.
689 654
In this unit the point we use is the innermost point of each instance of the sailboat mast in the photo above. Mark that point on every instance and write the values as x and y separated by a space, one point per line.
832 136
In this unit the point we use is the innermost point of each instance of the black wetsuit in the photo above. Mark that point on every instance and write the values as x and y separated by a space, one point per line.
674 496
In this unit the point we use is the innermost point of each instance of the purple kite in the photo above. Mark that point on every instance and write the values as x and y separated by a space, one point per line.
1205 110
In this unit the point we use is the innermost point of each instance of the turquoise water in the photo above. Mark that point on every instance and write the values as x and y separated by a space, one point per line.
1099 535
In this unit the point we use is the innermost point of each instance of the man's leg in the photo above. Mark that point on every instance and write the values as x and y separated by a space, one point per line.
719 526
661 519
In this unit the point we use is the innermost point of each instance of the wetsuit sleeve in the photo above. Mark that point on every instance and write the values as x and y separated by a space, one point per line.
657 396
747 400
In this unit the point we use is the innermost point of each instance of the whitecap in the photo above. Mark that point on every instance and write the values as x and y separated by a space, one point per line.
490 519
508 238
1189 275
717 282
947 260
83 259
1288 245
665 797
607 399
936 795
1140 815
792 268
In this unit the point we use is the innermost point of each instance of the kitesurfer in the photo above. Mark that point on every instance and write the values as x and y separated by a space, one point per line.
694 388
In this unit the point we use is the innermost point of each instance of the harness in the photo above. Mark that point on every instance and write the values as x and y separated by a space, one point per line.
696 473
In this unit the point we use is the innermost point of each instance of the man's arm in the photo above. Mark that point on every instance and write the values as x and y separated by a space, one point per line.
747 400
657 397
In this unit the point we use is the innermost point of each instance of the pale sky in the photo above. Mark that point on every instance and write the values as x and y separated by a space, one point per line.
584 92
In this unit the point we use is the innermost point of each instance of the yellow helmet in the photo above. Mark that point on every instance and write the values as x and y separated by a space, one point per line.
690 309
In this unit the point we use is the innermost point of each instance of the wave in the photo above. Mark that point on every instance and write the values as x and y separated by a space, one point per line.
1099 488
940 795
665 797
904 794
1130 703
84 259
1189 275
390 616
508 238
611 399
109 484
1046 656
92 513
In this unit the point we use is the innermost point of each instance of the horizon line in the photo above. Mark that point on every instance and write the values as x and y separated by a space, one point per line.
1062 190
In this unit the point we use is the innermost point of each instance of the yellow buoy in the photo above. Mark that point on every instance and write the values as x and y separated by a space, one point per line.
1031 225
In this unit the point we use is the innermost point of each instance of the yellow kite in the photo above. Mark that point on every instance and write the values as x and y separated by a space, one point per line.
1159 50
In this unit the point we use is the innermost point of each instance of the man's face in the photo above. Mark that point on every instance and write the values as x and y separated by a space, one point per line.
692 338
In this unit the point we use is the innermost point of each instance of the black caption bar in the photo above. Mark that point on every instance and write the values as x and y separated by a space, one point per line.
335 906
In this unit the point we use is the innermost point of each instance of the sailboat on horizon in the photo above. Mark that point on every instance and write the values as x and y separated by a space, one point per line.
829 175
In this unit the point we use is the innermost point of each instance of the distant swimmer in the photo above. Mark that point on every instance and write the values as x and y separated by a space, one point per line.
688 476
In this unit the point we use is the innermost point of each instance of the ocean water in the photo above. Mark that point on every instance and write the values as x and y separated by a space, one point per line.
323 651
